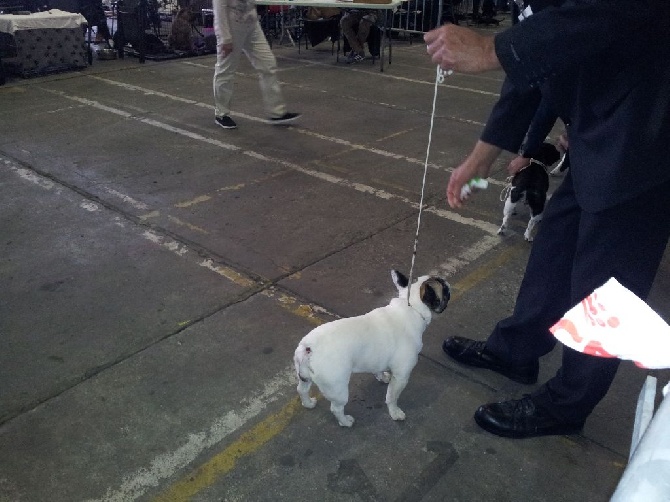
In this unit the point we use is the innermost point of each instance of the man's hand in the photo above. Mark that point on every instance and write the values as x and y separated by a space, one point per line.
225 49
517 164
459 178
477 165
461 49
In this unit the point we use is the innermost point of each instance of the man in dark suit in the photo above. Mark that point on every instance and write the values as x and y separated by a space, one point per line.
605 67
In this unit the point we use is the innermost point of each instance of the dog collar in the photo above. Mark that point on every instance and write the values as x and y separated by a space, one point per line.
426 321
533 161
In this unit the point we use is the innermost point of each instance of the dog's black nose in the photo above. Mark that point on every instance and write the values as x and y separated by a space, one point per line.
446 289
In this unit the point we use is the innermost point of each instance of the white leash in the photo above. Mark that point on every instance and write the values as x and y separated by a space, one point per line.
439 79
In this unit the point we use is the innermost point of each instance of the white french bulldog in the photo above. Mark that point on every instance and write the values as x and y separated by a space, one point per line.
385 342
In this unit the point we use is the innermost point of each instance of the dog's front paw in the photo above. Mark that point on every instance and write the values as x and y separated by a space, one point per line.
396 413
501 231
528 237
383 376
346 421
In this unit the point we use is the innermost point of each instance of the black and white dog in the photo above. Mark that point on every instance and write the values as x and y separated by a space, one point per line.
530 185
385 342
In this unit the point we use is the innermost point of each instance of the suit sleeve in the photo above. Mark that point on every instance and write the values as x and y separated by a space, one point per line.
542 124
511 116
559 39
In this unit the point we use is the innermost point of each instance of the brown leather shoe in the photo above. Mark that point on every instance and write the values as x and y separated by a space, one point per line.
474 353
520 418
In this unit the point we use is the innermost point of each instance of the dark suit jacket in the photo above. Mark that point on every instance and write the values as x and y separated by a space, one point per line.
605 66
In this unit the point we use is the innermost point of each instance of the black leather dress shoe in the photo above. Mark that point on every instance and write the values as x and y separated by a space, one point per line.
520 418
474 353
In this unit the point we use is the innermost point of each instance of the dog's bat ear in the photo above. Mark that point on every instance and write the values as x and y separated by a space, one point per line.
548 154
566 162
399 279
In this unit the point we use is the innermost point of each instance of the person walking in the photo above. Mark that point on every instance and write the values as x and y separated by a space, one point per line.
238 32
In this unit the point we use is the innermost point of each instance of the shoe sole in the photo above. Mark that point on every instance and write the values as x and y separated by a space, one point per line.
282 122
557 430
501 371
225 127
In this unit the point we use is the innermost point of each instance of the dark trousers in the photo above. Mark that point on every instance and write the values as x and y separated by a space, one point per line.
575 252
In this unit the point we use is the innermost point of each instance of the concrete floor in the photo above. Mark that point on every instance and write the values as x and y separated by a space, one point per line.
157 273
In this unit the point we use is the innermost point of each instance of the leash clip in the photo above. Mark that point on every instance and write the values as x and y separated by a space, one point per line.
506 189
442 73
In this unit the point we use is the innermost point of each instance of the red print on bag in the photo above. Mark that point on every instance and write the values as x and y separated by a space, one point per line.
595 348
591 312
568 326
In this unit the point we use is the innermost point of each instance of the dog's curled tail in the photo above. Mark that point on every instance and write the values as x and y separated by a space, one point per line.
301 361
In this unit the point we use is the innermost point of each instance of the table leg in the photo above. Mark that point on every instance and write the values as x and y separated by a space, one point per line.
385 39
89 51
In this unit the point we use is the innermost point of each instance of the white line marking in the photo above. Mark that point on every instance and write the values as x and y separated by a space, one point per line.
29 175
126 198
467 256
376 151
164 466
228 273
169 244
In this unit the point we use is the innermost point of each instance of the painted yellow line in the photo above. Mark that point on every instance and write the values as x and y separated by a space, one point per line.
222 463
227 272
485 271
152 214
309 312
186 224
188 203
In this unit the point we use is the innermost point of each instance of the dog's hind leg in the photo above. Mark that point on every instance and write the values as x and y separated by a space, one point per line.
396 386
303 391
534 220
338 410
536 201
338 395
301 362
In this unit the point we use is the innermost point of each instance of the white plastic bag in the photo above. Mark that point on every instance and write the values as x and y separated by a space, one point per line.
613 322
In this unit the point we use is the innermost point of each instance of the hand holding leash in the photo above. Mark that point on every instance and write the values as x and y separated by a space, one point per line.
457 48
